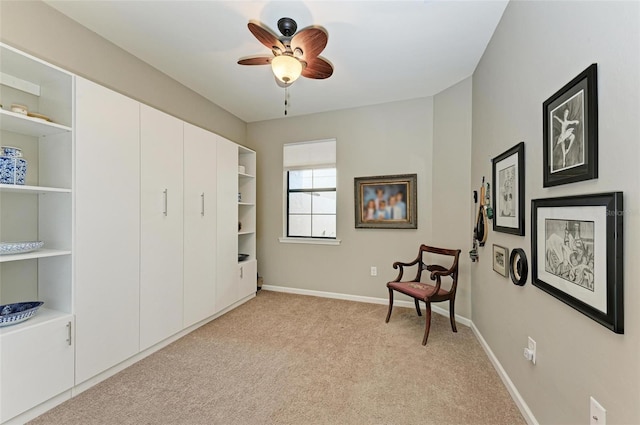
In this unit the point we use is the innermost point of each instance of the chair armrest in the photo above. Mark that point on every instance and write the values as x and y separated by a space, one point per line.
400 265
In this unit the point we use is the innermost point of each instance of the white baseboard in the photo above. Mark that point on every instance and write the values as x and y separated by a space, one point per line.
361 299
513 391
515 394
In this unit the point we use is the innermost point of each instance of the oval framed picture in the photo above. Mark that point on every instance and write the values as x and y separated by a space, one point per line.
519 266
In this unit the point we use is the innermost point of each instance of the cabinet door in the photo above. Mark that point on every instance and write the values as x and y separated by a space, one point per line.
226 284
247 278
199 224
161 288
37 364
107 232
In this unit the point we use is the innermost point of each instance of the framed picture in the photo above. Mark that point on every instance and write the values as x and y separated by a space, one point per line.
576 246
500 260
570 131
508 191
386 202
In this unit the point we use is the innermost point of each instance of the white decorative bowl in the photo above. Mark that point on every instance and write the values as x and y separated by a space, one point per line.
7 248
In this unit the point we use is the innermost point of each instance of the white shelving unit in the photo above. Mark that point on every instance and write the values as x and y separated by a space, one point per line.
39 210
247 203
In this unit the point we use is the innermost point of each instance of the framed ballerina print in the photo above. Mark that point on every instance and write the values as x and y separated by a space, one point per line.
570 131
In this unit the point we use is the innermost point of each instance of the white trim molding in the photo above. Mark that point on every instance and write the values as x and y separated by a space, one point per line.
513 391
360 298
515 394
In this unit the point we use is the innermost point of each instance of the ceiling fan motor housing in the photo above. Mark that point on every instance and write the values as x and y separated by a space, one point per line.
287 26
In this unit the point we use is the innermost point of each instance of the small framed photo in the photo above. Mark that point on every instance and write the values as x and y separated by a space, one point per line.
508 191
386 202
576 245
500 260
570 131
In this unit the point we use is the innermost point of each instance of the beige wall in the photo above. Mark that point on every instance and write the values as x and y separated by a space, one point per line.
36 28
537 48
393 138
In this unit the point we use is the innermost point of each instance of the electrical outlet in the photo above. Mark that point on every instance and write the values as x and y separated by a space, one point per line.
532 348
597 413
374 271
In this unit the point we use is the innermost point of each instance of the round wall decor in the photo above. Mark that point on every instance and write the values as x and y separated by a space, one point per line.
519 266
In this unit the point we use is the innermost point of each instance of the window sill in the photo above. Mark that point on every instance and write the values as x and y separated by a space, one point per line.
310 241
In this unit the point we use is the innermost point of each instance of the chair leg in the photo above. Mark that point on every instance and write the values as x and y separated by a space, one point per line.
452 315
417 307
427 323
390 305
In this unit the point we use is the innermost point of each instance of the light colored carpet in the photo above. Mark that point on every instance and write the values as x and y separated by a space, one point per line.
292 359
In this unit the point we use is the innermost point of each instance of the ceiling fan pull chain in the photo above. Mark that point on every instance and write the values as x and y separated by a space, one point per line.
286 100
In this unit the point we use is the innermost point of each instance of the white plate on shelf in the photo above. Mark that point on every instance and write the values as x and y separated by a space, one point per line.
8 248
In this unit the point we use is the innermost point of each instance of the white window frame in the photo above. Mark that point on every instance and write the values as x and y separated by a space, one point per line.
306 163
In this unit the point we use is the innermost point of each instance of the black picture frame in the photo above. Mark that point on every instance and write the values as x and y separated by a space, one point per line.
570 131
577 251
508 191
372 192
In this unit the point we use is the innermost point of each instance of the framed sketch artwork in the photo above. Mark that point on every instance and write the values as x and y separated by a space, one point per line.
500 260
508 191
386 202
576 244
570 131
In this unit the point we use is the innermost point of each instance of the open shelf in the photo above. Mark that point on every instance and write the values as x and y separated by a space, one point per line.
247 204
41 253
19 123
31 189
43 315
247 176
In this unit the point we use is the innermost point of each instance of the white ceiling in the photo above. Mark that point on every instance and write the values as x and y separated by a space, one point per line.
382 51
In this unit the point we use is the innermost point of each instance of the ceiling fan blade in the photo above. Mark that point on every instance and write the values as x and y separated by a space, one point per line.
256 60
318 68
311 41
266 37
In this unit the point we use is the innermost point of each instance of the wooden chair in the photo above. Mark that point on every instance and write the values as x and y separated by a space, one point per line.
427 292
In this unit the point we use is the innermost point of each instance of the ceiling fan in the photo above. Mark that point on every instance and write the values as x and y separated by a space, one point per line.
294 54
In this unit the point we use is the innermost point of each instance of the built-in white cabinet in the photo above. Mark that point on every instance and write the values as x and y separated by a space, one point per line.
200 223
37 363
161 221
37 355
227 224
143 218
107 294
236 224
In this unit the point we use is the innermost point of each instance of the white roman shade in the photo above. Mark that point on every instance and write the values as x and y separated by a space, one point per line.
320 153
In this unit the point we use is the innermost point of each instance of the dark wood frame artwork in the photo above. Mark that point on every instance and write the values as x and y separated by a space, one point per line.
581 124
613 317
518 229
506 265
362 189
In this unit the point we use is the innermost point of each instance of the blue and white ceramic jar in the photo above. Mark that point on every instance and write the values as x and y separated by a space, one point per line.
12 170
10 151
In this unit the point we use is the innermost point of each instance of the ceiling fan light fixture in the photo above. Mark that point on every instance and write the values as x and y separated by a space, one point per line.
286 68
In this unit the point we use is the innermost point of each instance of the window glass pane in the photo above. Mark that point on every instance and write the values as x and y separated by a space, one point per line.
300 202
324 178
300 179
324 226
324 202
299 225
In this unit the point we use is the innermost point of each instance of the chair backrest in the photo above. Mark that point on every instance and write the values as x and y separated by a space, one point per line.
452 271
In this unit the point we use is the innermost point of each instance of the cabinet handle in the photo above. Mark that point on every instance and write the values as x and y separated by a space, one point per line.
241 272
202 204
166 201
69 333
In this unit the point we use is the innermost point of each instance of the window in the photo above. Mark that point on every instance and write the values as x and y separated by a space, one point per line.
310 199
311 203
